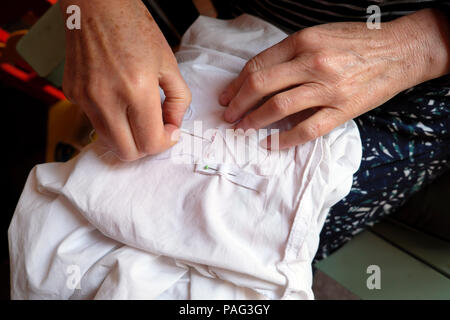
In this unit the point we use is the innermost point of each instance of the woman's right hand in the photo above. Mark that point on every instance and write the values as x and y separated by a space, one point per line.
114 67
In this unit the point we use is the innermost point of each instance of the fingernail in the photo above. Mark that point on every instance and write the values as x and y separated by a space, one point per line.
223 99
175 136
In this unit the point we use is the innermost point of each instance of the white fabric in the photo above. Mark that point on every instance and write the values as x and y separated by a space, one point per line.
161 228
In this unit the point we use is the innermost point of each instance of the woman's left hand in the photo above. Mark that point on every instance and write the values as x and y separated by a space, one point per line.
336 71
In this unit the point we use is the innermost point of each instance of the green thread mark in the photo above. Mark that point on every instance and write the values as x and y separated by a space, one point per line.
206 167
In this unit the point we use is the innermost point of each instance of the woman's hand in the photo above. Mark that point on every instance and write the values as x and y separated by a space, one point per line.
114 67
336 72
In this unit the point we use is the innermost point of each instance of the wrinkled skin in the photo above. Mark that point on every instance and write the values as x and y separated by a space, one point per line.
322 76
335 72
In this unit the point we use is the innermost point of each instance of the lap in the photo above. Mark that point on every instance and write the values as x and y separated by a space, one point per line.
406 145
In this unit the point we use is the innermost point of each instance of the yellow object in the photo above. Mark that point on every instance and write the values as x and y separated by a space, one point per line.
67 124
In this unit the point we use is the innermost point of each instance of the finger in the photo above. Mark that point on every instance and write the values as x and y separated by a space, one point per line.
177 100
114 130
281 106
146 121
320 123
279 53
261 84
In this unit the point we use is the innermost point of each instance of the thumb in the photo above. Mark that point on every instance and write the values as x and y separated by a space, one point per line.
178 98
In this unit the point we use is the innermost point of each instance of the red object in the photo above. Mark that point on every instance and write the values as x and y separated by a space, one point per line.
30 83
27 80
3 35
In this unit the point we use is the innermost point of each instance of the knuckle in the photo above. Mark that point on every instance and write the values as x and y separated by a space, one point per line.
321 60
138 81
253 65
303 37
256 81
281 104
310 131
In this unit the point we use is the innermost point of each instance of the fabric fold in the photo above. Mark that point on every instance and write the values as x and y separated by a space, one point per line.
214 217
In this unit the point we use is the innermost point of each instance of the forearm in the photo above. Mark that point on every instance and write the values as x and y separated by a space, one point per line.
424 37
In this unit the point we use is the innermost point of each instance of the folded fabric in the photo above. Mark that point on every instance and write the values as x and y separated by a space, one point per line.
215 217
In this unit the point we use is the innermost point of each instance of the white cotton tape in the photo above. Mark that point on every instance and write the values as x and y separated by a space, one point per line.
234 174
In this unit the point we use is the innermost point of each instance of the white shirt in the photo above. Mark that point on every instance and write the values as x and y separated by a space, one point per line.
166 228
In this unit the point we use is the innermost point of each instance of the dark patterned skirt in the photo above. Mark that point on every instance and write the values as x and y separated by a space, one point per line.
406 145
